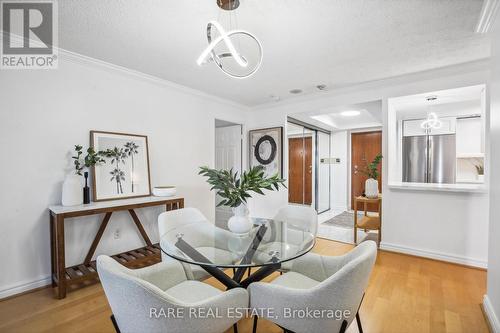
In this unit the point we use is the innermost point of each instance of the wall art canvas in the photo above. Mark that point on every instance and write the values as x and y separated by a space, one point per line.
126 171
266 149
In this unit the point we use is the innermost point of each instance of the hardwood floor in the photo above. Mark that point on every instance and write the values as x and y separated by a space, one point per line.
405 294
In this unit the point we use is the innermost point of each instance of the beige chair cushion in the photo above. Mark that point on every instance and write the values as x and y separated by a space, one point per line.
295 280
191 291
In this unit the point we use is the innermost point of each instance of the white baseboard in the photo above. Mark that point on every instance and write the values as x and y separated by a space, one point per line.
20 288
434 255
490 315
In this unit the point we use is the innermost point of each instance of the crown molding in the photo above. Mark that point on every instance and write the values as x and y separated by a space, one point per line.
487 16
74 57
479 65
86 60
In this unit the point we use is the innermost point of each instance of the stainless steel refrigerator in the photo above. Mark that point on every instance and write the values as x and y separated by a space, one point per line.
429 159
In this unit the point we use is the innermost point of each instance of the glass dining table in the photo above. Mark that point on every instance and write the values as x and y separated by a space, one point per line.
268 245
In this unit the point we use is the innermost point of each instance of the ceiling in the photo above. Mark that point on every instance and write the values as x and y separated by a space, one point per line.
370 115
448 96
306 43
451 102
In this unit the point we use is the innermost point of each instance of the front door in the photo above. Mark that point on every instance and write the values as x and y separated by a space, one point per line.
364 148
300 170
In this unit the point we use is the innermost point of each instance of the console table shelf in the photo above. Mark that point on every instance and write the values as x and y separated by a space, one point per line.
86 272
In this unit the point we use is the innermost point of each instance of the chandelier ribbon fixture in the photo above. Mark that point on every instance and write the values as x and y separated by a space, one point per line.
432 120
216 35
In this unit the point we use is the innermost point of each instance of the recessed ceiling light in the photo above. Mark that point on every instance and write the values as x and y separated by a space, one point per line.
295 91
321 87
350 113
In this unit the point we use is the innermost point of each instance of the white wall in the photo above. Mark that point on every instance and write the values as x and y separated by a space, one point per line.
445 225
492 299
44 113
340 171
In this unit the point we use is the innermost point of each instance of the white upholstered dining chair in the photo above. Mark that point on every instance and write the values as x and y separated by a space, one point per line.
301 220
160 298
300 216
176 219
318 283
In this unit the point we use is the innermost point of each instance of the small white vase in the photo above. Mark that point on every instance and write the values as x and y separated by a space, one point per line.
240 222
72 190
371 188
480 178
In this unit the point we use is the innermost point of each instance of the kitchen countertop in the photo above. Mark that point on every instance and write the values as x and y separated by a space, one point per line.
473 188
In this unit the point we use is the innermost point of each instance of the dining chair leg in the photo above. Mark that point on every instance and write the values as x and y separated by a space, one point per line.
234 271
115 324
255 319
235 327
358 321
249 271
343 327
355 235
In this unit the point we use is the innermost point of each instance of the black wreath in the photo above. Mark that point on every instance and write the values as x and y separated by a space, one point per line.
273 149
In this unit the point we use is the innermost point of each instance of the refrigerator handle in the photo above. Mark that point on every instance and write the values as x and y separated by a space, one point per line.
430 158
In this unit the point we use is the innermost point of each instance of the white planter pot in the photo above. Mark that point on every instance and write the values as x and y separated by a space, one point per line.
480 178
371 188
72 190
240 222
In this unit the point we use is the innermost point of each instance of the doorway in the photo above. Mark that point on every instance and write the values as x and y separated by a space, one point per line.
228 155
308 165
365 146
300 170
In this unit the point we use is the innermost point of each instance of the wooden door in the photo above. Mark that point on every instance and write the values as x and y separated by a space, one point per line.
300 170
364 148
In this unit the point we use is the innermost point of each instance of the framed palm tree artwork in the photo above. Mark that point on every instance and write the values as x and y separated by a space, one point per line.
125 174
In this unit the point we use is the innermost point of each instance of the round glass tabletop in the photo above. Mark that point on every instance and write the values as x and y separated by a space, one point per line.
269 242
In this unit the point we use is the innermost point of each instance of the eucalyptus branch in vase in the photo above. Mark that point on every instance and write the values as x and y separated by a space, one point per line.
235 190
72 186
91 159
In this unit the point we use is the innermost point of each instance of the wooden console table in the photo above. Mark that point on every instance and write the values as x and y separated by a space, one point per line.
86 273
368 222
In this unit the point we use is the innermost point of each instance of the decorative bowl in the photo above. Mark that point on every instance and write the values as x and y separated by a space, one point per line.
164 191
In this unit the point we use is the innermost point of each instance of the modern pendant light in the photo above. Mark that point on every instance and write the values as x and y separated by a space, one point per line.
242 66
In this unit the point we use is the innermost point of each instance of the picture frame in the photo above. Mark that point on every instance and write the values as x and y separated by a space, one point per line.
126 173
266 149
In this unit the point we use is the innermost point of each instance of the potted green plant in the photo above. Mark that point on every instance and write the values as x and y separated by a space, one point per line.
371 171
235 191
72 193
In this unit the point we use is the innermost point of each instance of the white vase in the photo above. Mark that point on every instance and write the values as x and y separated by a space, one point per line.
371 188
480 178
72 190
240 222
